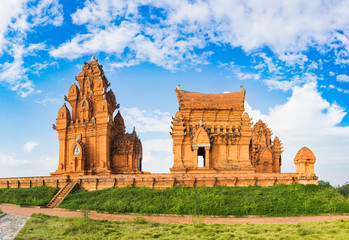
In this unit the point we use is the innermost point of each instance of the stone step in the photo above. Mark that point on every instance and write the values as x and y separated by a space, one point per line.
60 196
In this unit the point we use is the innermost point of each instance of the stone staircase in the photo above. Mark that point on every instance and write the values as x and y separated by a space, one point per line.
63 192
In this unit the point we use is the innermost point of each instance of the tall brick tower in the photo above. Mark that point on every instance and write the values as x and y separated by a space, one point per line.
91 142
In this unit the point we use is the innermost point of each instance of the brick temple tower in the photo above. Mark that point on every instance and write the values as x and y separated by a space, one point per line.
91 142
211 133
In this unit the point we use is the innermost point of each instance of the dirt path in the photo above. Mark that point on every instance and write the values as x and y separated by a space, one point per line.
28 211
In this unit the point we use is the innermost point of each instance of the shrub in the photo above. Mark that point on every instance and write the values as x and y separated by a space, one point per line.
344 189
324 183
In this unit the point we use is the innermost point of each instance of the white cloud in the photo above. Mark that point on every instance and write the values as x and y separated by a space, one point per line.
111 40
47 12
14 166
269 62
46 100
101 12
278 82
153 126
121 64
293 59
342 57
163 48
30 145
239 72
333 87
157 155
37 67
306 119
14 74
146 120
160 145
47 162
171 36
8 159
17 17
342 78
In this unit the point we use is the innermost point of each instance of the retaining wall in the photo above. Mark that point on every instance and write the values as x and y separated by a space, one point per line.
160 181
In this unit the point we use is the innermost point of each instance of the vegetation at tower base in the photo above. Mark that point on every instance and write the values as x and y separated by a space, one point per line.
35 196
281 200
41 226
344 189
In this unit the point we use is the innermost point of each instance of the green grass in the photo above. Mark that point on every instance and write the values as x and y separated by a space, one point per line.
278 200
36 196
48 227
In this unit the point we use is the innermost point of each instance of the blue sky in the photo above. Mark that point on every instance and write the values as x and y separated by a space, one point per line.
291 56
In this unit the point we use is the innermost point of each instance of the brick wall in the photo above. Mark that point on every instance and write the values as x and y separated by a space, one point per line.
159 181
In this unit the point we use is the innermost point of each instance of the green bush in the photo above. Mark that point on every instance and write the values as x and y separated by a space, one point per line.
278 200
324 183
36 196
344 189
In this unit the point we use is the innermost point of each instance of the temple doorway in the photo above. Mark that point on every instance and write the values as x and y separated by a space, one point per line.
201 157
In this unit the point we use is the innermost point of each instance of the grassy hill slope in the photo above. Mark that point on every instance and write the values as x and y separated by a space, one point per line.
278 200
36 196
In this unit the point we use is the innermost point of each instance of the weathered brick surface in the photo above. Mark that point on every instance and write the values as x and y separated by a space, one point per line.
91 142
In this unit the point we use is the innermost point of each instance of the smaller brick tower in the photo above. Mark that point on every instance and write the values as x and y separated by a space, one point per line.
265 154
90 142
